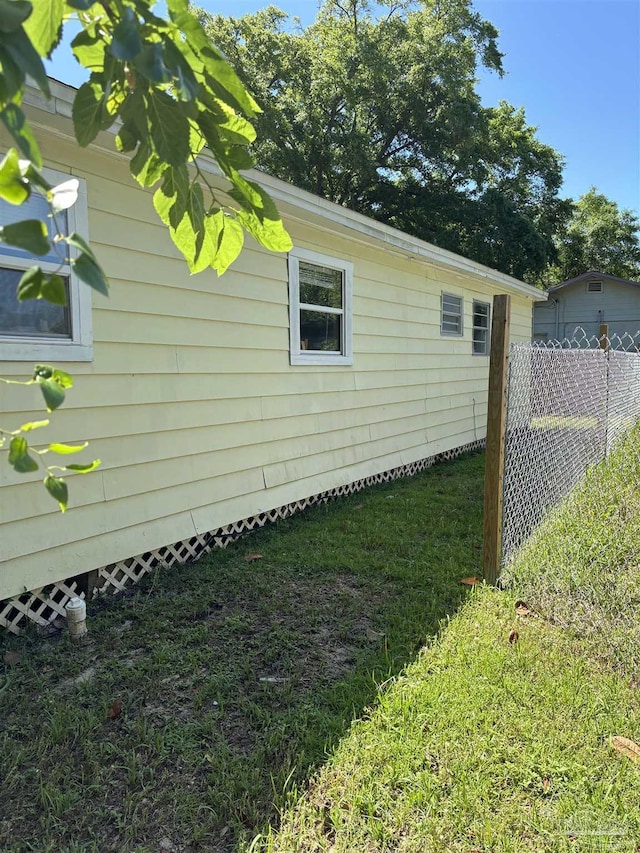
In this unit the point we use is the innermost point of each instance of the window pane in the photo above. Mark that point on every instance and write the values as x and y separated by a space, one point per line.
480 341
35 208
320 285
320 331
481 315
452 304
33 318
450 323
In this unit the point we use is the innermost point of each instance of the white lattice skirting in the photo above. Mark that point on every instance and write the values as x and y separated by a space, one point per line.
44 605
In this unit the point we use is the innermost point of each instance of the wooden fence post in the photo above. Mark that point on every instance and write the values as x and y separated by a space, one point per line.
496 431
603 336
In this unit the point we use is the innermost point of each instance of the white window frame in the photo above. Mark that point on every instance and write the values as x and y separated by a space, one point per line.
486 328
297 355
598 290
460 315
79 347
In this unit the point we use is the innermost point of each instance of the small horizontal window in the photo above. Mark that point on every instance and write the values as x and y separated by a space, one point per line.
481 326
450 315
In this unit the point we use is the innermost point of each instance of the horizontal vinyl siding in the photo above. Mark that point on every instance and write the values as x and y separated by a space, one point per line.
191 401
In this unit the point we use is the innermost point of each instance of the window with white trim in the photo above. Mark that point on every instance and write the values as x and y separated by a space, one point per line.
481 326
320 318
450 314
37 330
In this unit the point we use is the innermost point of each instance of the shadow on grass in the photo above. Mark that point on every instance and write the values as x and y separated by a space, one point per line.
234 677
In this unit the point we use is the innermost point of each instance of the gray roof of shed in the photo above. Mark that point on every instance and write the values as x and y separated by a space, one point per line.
593 274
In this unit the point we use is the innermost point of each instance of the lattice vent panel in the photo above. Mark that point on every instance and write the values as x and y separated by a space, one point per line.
41 606
116 577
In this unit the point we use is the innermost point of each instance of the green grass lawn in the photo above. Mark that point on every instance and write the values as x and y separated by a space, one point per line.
342 693
581 567
235 678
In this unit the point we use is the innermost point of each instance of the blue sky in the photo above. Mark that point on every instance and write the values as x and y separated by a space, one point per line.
573 64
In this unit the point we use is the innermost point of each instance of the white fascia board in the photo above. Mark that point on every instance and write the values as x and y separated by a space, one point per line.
281 191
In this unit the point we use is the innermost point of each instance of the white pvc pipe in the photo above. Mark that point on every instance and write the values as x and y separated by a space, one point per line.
76 610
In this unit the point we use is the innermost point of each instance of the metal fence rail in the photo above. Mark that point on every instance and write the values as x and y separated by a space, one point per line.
568 404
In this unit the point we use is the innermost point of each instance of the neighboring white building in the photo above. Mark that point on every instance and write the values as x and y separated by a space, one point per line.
587 302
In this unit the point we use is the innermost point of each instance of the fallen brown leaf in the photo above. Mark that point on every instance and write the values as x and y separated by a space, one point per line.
469 581
546 784
626 747
522 609
250 557
12 658
359 506
115 710
513 636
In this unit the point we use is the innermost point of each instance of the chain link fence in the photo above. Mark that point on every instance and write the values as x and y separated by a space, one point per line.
568 404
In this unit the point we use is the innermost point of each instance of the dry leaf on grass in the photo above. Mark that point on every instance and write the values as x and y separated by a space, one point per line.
115 710
250 557
513 636
12 658
626 747
469 581
522 609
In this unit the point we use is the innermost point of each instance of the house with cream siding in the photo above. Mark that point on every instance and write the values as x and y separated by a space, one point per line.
218 403
586 303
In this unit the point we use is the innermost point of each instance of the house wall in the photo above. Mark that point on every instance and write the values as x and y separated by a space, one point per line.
618 305
192 404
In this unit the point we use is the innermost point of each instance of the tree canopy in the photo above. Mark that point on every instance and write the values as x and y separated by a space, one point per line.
375 107
599 236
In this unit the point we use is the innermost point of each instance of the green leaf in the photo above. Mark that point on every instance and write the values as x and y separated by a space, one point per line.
19 456
30 285
230 244
88 112
43 370
222 78
76 240
44 26
54 290
85 469
90 272
185 83
33 425
52 392
268 232
231 126
12 78
23 53
80 5
66 449
65 195
150 63
13 187
89 49
14 120
13 13
28 234
58 490
169 128
126 43
63 379
146 167
127 139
